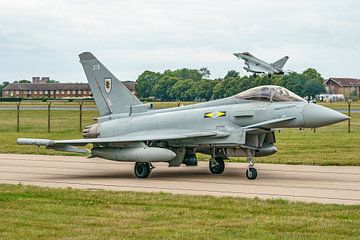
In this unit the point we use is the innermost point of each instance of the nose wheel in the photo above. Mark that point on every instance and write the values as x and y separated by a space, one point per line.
142 170
251 173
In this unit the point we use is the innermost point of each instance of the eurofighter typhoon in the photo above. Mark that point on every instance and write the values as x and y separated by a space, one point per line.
239 126
256 65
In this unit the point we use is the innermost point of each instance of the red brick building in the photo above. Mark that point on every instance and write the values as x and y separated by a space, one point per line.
47 90
346 86
52 90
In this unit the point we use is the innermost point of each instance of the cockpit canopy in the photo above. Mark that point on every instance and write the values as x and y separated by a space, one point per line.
269 93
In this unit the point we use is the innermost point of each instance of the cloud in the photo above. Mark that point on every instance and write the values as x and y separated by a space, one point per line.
45 37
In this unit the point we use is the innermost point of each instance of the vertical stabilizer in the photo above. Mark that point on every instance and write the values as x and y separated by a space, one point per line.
111 96
279 64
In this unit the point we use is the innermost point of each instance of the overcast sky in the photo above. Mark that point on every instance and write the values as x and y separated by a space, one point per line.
44 38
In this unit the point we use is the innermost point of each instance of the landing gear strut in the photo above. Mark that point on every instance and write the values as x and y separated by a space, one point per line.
251 172
142 170
216 165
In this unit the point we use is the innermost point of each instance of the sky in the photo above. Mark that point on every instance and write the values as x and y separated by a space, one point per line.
44 38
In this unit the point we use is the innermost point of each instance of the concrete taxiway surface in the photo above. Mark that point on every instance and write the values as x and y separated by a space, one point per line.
320 184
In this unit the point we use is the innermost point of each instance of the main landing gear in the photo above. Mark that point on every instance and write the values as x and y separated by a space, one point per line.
251 172
216 165
142 170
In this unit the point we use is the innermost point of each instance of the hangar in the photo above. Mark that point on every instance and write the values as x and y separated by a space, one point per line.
346 86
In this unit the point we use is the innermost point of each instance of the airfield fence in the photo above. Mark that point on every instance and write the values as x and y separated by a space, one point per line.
49 119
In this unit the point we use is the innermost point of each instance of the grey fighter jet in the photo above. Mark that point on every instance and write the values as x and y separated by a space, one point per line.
256 65
239 126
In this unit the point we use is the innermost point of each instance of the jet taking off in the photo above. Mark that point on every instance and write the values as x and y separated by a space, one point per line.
255 65
239 126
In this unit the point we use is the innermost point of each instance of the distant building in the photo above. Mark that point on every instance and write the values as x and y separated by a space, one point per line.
330 97
345 86
52 90
130 85
47 90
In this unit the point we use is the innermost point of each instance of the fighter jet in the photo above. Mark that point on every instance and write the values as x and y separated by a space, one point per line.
242 125
256 65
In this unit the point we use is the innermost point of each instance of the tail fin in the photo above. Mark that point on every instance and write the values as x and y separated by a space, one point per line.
111 96
280 63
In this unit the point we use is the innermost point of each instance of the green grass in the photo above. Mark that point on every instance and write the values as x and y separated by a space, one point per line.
64 125
341 105
330 145
43 213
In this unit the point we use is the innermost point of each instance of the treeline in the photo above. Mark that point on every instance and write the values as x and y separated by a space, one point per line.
192 84
2 85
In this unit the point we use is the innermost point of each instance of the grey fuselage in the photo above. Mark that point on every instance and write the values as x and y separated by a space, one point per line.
239 114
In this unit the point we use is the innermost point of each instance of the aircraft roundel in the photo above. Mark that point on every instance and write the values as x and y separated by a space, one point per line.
107 83
215 114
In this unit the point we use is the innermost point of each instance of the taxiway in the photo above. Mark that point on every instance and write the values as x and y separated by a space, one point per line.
321 184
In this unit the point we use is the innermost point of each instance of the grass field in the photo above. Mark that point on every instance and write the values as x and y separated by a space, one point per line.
42 213
330 145
341 105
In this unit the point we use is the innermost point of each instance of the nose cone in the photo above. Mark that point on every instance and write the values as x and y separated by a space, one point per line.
318 116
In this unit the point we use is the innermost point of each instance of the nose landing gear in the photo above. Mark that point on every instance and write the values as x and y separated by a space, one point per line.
251 172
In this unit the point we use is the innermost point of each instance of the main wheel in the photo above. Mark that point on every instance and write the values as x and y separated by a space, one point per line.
251 173
142 170
217 165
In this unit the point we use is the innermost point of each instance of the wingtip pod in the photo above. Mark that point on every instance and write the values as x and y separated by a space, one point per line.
37 142
86 56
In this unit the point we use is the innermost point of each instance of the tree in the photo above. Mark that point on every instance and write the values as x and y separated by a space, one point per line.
262 80
145 84
205 73
52 81
312 74
24 81
313 87
232 73
189 84
304 84
5 83
294 82
218 90
245 83
183 90
163 87
184 73
204 89
231 86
